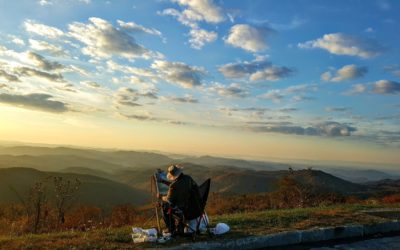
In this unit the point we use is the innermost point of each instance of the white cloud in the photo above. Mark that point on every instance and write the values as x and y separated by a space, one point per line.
130 69
196 11
337 109
8 76
102 40
381 87
274 95
51 2
257 70
184 99
130 97
347 72
393 69
42 30
45 2
301 98
91 84
330 128
181 17
179 73
199 37
16 40
248 38
46 47
342 44
301 88
273 73
37 101
19 68
232 90
30 72
277 95
201 10
356 89
42 63
386 87
134 27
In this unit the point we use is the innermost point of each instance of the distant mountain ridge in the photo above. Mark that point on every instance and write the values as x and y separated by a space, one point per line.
92 191
118 157
133 169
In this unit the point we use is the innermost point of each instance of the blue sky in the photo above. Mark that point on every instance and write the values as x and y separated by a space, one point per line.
301 70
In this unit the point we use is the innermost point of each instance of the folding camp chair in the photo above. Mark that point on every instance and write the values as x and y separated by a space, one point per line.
161 186
194 230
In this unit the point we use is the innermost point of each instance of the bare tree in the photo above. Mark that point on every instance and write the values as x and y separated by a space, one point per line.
37 199
65 191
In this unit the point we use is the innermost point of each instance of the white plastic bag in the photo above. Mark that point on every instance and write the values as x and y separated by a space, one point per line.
144 235
220 228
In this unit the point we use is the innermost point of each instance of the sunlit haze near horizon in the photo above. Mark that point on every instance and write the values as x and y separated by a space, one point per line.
260 79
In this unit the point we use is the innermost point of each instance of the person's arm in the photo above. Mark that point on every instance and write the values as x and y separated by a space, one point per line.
172 194
165 182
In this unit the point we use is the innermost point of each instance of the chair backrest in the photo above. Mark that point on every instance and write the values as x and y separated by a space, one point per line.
204 190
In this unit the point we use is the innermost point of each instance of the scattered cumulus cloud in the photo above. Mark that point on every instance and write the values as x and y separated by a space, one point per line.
195 11
103 40
31 72
46 47
179 73
302 98
9 77
259 69
357 89
184 99
273 73
343 44
127 97
347 72
393 69
381 87
134 27
249 38
337 109
386 87
16 40
130 97
42 63
91 84
42 29
200 37
295 91
331 129
274 95
52 2
232 90
37 101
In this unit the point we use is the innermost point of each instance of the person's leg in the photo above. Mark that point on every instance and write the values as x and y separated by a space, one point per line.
167 216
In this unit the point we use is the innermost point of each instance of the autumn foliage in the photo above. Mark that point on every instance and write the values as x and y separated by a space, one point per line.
41 213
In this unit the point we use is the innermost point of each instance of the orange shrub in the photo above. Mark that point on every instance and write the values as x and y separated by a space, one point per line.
391 199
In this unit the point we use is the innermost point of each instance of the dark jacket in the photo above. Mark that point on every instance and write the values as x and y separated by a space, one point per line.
184 193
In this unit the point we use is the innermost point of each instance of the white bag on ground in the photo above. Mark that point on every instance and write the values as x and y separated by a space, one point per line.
144 235
220 228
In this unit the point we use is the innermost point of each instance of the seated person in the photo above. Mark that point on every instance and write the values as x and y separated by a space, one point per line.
182 200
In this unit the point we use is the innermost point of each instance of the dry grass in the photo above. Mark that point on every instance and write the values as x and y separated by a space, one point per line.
242 224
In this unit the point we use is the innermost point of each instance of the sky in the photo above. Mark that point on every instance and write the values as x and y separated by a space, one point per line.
260 79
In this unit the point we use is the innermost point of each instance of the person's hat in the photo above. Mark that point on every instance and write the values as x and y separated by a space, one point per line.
173 172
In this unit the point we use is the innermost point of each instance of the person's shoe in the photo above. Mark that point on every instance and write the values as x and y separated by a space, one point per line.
166 233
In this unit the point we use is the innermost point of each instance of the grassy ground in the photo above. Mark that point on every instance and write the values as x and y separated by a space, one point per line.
242 224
